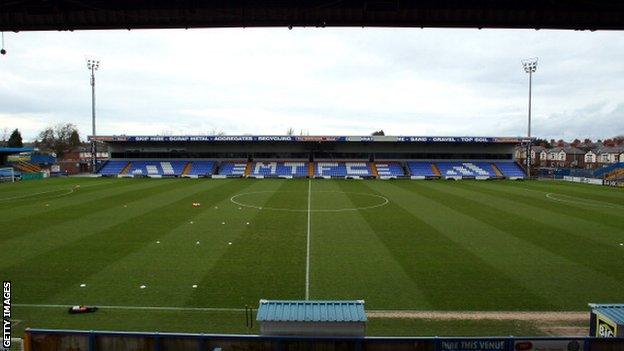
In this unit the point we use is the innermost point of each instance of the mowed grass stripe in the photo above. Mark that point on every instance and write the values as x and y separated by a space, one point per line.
602 193
604 226
547 274
169 268
87 254
63 193
81 203
448 273
495 248
349 260
268 259
563 241
30 243
585 206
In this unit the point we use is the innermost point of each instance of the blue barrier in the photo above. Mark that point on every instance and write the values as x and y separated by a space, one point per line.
80 340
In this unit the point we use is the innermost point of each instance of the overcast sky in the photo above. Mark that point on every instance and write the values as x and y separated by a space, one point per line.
322 81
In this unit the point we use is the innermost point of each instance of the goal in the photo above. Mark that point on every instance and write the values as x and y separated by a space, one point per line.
7 174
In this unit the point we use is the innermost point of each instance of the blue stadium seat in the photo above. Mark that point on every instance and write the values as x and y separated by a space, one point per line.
420 169
280 168
342 169
202 168
510 169
113 167
157 168
232 168
466 169
389 169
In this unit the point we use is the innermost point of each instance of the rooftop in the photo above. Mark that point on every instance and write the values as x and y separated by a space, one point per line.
311 311
614 312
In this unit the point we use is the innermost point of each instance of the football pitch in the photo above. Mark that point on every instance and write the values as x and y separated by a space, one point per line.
139 249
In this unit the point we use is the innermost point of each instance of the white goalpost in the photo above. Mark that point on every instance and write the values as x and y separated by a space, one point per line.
7 174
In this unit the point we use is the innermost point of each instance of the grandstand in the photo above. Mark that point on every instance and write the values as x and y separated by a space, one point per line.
383 157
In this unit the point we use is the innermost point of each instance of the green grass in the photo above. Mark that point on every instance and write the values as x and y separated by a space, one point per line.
435 245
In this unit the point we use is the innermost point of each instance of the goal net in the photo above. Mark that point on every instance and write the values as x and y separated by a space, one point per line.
7 174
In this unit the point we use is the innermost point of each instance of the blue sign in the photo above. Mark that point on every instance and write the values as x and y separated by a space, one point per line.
473 345
308 138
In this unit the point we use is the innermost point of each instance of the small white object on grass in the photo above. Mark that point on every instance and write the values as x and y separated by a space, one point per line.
125 205
142 287
197 243
195 286
83 285
621 244
230 243
191 222
247 223
222 222
157 241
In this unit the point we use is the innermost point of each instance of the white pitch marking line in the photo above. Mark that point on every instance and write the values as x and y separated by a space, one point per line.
384 202
586 202
307 288
156 308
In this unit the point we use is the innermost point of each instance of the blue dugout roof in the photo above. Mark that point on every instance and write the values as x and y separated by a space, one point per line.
15 150
311 311
614 312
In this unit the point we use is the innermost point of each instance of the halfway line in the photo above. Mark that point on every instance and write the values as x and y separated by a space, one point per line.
307 288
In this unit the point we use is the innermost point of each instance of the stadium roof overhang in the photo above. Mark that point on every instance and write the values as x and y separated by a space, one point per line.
14 150
30 15
304 138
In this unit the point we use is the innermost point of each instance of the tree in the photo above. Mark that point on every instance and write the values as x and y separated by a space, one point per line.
542 142
379 132
57 139
74 139
4 134
15 140
290 131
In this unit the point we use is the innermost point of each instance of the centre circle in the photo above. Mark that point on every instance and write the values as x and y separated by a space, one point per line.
321 201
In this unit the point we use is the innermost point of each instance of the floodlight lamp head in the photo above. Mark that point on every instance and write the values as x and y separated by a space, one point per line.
530 65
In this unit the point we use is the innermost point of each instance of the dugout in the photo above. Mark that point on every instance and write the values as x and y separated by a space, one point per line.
312 318
606 320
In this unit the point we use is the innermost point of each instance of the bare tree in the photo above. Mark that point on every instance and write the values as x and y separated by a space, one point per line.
290 131
4 135
217 132
57 139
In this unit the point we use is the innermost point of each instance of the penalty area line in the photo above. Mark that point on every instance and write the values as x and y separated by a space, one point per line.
147 308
